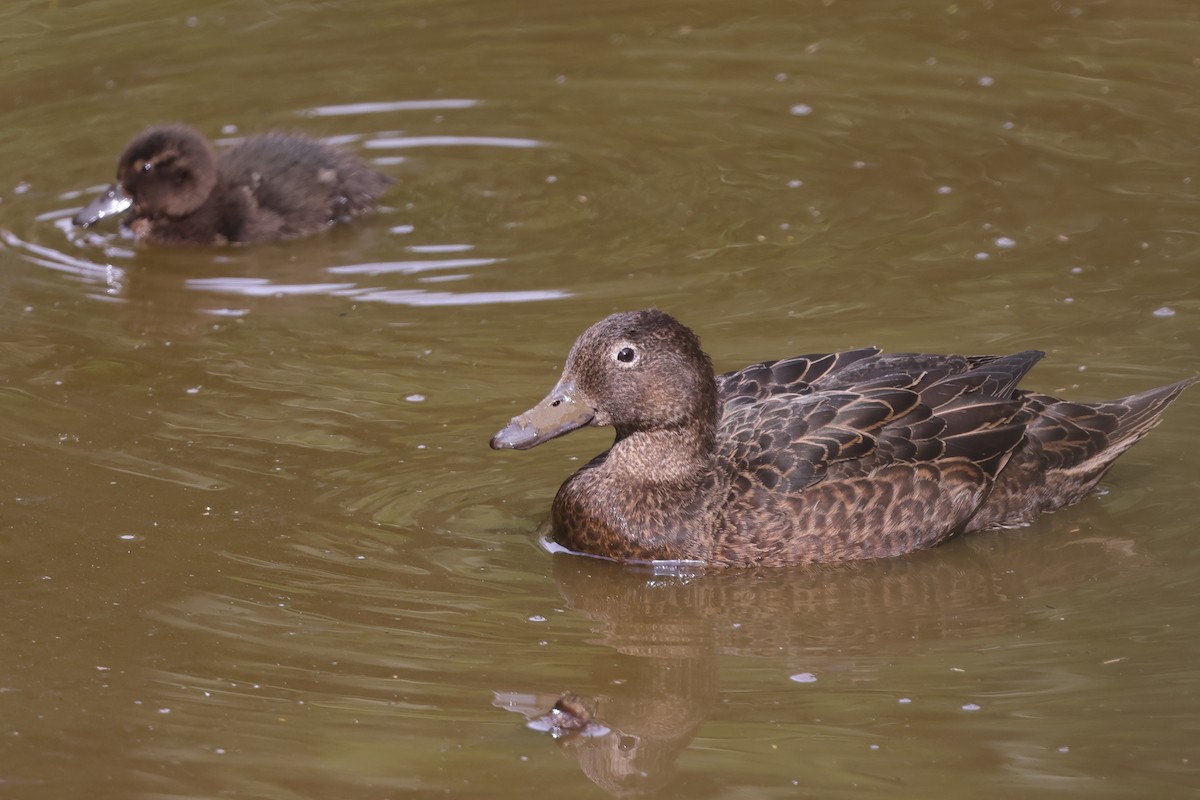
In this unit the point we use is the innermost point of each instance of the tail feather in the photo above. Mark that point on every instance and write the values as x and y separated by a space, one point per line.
1066 451
1140 413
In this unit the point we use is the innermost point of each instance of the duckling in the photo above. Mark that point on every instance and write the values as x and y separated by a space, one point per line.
815 458
177 190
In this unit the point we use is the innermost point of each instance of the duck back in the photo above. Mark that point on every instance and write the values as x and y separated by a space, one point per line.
281 186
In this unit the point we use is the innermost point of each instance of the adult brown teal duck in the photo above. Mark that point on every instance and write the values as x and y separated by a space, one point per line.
814 458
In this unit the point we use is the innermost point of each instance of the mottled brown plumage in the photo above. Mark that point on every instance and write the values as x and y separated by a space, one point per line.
267 188
814 458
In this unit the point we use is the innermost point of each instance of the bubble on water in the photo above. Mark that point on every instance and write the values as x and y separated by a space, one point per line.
803 677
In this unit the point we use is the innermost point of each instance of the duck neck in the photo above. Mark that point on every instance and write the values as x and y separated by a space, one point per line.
646 496
674 454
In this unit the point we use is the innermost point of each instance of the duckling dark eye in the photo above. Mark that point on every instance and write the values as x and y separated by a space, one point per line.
626 355
149 165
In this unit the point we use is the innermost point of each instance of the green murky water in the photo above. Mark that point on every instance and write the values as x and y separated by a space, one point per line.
254 543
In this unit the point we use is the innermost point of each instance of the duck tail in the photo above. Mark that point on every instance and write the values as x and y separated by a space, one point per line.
1138 414
1127 421
1109 429
1067 450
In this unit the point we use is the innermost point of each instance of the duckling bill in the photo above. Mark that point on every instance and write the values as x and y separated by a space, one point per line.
175 189
815 458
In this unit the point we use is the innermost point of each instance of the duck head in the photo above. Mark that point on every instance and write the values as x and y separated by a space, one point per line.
166 171
636 371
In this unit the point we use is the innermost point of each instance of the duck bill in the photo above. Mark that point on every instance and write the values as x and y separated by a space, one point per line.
560 412
113 201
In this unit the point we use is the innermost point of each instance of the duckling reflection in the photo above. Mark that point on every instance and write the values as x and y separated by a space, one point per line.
177 190
628 738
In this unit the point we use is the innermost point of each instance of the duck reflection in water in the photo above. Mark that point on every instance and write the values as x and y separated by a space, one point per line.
177 190
656 682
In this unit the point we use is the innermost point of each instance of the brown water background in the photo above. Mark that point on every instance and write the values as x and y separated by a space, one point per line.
253 543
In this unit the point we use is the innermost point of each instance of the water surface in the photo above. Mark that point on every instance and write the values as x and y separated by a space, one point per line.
256 544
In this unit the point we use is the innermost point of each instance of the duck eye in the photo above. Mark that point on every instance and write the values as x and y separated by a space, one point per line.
626 355
147 166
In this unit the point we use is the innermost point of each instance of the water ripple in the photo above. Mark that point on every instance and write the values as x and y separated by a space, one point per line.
351 109
264 287
451 141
